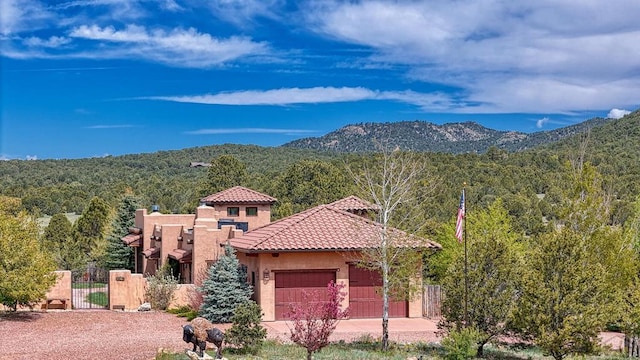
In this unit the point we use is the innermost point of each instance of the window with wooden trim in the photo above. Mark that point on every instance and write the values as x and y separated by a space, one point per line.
233 211
252 211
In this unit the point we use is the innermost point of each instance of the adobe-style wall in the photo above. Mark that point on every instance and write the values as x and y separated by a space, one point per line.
198 233
127 290
61 290
262 218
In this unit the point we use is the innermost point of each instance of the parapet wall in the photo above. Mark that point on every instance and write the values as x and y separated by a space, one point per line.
127 290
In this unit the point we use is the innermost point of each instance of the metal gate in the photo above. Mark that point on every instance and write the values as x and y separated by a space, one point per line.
90 288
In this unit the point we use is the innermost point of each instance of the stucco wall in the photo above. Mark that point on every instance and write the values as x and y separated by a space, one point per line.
293 261
262 218
126 290
265 289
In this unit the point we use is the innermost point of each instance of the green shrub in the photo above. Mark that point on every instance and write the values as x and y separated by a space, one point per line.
461 344
246 332
184 311
160 288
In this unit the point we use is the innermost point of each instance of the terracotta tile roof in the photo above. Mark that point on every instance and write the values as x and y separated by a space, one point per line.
132 239
239 194
152 253
181 255
354 203
324 227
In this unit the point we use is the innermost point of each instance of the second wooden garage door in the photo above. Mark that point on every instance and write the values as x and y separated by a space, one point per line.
291 285
364 302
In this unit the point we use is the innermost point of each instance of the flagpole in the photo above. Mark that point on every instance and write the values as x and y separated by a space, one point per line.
466 274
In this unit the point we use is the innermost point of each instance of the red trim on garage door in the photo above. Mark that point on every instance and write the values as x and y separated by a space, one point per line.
291 285
364 302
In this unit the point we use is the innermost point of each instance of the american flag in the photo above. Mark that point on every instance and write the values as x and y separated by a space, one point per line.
461 213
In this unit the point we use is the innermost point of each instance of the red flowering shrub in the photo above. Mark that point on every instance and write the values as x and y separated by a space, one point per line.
315 319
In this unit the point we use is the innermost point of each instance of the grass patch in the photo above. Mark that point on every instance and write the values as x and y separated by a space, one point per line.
184 311
273 350
98 298
368 348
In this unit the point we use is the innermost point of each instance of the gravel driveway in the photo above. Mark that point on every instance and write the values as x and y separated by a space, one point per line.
106 335
89 334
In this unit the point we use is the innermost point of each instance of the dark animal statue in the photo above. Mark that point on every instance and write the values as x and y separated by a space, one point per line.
199 332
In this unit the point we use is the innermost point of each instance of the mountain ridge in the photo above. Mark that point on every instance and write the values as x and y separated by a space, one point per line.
418 135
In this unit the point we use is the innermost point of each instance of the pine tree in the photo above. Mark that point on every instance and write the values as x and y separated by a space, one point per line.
119 255
225 288
247 333
26 270
56 235
89 232
574 273
226 171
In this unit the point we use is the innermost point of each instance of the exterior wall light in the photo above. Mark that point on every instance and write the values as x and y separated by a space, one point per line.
266 275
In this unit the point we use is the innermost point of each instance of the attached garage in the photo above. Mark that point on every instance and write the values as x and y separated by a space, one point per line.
364 302
290 286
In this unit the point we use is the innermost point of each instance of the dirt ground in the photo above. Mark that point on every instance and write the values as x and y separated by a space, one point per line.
113 335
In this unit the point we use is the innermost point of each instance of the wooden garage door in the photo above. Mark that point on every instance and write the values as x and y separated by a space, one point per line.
290 286
364 302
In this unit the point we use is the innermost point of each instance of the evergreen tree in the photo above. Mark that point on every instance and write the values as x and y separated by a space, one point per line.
308 183
247 333
575 273
225 288
630 300
495 260
563 295
26 270
56 235
226 171
89 232
119 255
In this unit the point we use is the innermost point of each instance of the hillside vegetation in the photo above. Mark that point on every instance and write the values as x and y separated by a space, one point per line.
529 181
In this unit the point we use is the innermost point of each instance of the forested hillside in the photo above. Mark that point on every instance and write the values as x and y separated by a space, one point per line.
453 138
529 182
165 177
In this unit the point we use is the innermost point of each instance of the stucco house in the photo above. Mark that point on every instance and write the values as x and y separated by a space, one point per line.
283 258
190 243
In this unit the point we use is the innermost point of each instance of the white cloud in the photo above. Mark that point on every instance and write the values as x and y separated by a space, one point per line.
21 15
178 47
52 42
285 96
617 113
542 122
250 131
478 45
171 5
316 95
32 157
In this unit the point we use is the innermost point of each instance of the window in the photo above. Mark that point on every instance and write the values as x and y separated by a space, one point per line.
233 211
252 211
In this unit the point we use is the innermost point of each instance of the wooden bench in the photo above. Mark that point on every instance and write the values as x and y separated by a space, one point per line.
61 301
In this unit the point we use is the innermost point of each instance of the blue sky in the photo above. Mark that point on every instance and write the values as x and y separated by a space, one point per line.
85 78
